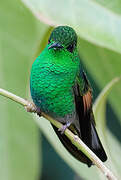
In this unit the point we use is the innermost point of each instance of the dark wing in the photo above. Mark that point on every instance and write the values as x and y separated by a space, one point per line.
83 102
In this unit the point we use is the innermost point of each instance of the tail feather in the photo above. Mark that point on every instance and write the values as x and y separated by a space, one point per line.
90 136
88 132
97 147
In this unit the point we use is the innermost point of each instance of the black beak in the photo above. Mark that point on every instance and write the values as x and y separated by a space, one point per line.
55 45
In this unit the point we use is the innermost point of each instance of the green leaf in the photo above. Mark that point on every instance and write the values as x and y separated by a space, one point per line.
108 139
21 37
102 66
95 21
20 156
99 107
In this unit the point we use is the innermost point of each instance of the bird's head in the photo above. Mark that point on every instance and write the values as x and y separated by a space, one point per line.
63 37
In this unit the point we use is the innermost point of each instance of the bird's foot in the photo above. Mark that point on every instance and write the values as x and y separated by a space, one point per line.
64 127
38 111
31 107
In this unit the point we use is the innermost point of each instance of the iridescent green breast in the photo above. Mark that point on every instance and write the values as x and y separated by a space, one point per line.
52 78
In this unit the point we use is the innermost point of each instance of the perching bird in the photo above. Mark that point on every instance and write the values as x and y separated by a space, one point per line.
59 87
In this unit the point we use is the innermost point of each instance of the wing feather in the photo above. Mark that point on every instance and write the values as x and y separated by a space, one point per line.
83 102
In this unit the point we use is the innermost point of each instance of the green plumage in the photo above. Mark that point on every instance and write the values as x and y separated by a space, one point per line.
53 75
60 88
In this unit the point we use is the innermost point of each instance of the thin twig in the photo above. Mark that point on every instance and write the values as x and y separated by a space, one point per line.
74 139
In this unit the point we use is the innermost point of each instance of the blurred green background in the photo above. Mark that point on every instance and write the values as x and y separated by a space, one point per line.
26 151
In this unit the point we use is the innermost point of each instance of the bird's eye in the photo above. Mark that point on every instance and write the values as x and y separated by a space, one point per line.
70 48
49 41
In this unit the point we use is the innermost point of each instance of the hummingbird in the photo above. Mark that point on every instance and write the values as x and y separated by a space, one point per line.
60 88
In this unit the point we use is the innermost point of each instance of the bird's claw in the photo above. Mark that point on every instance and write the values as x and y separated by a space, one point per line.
31 107
63 128
38 111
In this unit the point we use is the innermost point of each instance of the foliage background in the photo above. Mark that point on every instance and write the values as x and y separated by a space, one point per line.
24 29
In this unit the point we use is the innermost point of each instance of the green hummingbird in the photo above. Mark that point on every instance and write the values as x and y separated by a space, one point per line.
60 88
